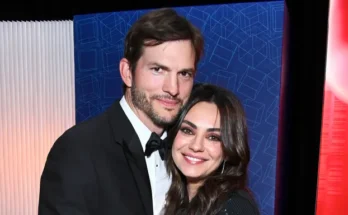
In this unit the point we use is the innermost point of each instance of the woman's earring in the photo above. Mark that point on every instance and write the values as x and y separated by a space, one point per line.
223 167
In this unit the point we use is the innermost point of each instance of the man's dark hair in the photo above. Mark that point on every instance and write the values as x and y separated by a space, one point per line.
156 27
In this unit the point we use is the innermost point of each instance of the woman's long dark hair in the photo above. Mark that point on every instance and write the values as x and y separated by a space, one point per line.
234 137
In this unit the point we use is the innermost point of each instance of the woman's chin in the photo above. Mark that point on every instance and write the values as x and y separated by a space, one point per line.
194 178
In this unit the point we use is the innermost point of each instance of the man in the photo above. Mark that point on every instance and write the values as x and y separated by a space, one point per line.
106 165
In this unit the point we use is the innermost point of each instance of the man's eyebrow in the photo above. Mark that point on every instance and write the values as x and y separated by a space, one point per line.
191 70
166 68
159 65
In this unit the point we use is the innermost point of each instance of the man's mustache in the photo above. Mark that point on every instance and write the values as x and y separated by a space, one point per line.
178 100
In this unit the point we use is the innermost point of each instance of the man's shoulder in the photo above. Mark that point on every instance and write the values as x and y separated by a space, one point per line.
88 126
91 128
94 124
84 132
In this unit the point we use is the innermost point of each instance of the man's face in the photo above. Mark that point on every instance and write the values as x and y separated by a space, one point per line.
163 80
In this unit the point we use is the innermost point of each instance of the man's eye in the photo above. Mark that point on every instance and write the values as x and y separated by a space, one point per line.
156 69
186 74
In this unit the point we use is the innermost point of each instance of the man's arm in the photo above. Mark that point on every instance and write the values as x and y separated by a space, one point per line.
68 184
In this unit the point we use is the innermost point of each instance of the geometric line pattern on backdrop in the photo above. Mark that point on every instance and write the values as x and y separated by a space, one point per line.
242 53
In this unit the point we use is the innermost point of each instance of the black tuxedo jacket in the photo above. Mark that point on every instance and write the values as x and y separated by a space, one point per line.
97 167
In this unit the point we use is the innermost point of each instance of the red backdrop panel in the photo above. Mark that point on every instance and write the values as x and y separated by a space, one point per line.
333 163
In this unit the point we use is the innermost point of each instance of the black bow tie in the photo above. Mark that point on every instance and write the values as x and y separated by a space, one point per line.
156 143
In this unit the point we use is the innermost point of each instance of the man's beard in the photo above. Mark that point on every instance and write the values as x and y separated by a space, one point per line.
140 101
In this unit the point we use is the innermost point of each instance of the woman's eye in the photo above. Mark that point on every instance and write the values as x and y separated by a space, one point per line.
186 131
214 138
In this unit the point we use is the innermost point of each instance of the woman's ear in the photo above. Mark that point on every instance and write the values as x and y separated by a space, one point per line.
125 72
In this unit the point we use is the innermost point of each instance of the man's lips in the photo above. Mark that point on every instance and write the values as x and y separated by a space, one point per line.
168 102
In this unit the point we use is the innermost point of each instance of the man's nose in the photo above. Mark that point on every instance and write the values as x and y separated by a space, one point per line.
171 84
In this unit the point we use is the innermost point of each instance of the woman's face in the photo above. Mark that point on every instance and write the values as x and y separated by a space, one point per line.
197 148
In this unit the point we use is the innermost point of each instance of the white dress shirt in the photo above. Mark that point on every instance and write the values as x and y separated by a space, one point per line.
159 179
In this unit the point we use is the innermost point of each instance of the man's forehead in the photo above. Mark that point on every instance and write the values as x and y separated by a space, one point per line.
171 58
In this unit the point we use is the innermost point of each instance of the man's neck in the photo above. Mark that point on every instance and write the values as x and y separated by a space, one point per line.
143 117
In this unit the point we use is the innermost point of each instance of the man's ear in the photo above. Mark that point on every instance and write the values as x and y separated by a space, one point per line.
125 72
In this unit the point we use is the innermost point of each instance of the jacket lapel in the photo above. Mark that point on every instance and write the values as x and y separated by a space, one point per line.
125 135
136 161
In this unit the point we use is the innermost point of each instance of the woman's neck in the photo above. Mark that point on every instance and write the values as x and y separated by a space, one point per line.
192 188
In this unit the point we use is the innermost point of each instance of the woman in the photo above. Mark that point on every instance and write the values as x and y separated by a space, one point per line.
209 156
